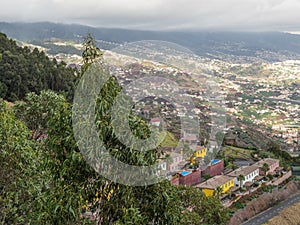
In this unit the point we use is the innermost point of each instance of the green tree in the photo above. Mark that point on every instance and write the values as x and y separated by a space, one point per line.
90 53
207 176
155 203
218 191
36 110
3 90
71 182
218 215
265 168
241 178
205 210
270 176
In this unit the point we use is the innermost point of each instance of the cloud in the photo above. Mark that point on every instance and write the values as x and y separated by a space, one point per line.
160 14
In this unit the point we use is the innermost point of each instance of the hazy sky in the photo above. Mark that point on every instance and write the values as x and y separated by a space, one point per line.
160 14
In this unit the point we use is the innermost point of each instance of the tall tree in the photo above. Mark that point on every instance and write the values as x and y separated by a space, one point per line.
241 178
121 204
90 53
153 203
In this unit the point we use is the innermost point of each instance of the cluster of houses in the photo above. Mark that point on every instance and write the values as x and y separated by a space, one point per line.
289 134
242 177
212 178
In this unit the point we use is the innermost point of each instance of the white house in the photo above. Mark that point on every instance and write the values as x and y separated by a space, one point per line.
249 173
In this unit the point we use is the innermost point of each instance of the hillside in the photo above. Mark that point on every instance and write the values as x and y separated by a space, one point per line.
23 71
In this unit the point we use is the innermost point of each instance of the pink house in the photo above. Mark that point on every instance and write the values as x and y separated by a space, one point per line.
273 164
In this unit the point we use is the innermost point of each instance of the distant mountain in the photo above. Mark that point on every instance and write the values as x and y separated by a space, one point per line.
232 46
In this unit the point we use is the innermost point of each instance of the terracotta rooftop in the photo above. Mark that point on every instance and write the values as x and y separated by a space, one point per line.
269 161
245 170
215 182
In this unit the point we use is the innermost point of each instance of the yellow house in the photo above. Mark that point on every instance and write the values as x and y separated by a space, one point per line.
222 181
200 152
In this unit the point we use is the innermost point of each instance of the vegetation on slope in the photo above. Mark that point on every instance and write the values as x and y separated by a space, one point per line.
23 71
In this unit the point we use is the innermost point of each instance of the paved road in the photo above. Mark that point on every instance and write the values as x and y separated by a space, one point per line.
270 213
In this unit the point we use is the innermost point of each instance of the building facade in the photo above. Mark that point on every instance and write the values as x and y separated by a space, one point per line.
273 164
247 172
215 168
190 178
223 182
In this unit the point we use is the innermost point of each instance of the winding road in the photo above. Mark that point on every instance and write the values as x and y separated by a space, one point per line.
272 212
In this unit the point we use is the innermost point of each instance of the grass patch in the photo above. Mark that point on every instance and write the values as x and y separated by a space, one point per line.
169 141
236 152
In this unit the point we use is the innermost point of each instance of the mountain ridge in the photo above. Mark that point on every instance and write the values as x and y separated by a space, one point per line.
230 46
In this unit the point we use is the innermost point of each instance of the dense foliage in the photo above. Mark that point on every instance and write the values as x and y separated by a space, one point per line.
18 162
23 71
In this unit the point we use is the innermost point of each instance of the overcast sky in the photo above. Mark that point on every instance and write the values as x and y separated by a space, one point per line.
160 14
